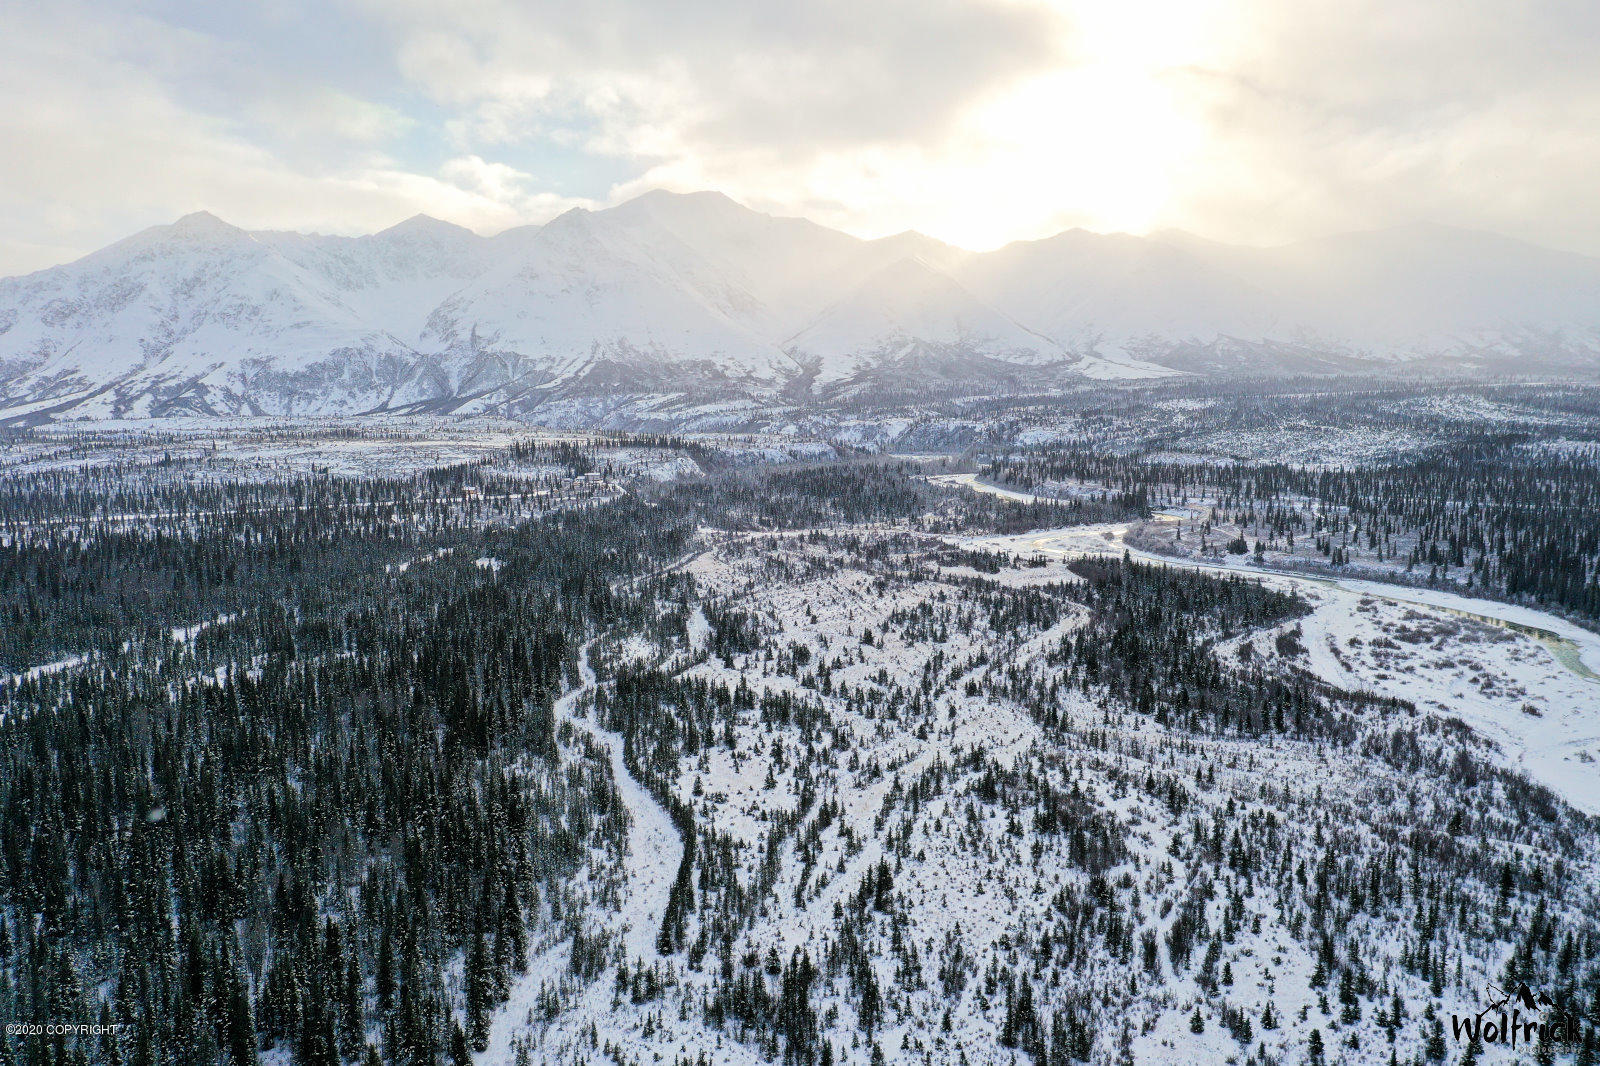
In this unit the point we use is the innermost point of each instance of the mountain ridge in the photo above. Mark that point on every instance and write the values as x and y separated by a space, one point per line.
695 293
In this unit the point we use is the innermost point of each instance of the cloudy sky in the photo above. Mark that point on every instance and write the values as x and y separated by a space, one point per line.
978 122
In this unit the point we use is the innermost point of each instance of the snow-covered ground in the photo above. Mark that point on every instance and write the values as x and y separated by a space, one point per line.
1533 690
654 848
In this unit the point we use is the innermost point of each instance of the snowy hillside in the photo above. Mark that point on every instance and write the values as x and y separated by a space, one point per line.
591 292
695 294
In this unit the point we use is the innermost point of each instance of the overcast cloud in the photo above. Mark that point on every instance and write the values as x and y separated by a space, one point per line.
977 122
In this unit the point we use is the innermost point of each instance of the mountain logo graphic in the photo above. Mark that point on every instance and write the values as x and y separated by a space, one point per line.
1524 997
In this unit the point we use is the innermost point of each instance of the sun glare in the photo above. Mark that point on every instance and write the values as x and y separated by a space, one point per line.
1101 142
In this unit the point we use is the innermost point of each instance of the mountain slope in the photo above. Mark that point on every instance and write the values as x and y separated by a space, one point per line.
590 295
397 276
173 318
1421 289
1080 287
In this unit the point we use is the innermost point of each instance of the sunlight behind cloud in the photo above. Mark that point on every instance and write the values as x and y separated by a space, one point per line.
1098 147
1100 143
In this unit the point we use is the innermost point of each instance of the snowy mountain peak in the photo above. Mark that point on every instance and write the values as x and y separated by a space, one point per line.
199 232
572 216
703 197
909 307
426 226
707 207
203 225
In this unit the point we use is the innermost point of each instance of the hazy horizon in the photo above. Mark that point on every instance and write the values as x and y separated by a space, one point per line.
1165 233
977 123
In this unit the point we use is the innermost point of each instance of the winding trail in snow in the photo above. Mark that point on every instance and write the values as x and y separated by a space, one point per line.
651 865
654 847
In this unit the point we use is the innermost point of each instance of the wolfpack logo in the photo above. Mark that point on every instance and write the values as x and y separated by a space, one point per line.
1503 1020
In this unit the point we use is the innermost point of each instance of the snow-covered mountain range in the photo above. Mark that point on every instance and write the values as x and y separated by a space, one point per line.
693 293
